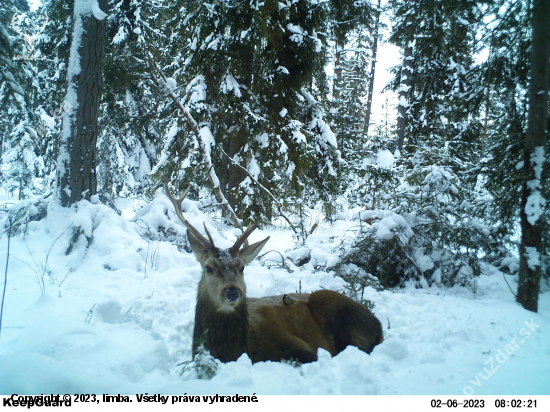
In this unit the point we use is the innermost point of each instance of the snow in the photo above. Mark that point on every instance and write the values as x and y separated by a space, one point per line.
535 201
97 12
116 315
81 7
520 164
298 35
282 69
120 36
16 88
206 141
170 136
171 84
533 257
534 207
424 262
207 137
403 88
231 85
263 139
254 168
384 223
385 159
197 87
537 160
298 136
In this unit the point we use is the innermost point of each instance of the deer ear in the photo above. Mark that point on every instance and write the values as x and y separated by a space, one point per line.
199 249
248 253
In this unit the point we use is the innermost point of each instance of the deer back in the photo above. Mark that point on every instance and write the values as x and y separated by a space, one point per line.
279 331
295 326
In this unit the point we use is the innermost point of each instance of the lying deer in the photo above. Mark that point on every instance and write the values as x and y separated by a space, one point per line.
274 328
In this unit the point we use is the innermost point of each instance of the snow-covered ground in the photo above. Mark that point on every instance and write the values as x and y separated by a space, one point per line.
116 316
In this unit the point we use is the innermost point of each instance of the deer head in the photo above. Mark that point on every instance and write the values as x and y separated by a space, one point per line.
222 284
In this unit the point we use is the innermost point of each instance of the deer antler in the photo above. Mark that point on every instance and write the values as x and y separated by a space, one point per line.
242 239
208 234
208 243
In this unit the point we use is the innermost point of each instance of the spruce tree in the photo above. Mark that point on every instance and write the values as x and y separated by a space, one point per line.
76 166
532 200
504 81
438 41
135 116
254 76
18 137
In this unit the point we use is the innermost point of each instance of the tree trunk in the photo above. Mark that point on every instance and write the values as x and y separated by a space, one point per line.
76 178
487 94
403 105
234 145
531 198
235 176
336 85
372 70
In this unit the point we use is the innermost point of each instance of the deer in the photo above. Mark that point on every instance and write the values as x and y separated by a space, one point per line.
289 327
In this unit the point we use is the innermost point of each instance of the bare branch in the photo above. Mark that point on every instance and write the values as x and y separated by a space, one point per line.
179 213
279 206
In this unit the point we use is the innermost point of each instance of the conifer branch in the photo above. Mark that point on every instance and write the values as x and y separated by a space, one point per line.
206 159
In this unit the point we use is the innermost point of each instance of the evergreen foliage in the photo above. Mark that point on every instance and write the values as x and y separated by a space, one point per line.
205 364
16 143
135 117
50 83
505 77
254 75
439 99
452 230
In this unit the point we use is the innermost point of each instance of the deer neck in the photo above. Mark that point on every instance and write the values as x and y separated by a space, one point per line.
224 334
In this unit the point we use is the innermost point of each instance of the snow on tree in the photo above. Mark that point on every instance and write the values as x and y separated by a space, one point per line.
252 76
19 141
532 200
76 163
135 116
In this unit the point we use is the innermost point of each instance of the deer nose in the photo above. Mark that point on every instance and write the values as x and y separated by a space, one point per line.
232 294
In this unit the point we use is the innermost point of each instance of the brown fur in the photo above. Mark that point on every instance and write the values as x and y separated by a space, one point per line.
225 335
322 319
269 330
278 331
345 321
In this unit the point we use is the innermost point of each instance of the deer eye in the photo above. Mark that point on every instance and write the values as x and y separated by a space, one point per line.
241 270
209 269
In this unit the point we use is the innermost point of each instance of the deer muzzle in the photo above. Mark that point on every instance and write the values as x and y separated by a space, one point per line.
232 294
